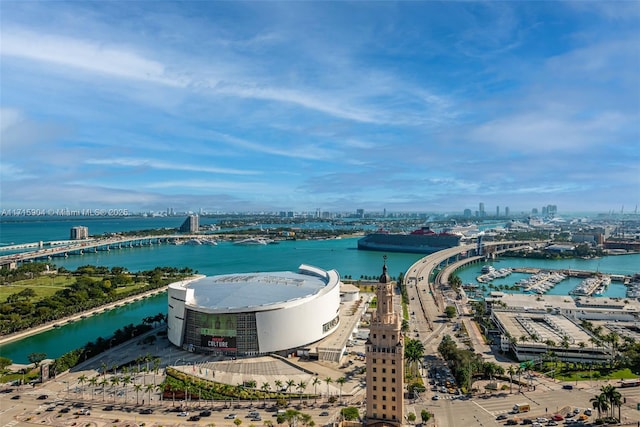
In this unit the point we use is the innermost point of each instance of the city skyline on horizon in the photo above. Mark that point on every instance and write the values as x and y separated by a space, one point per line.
279 106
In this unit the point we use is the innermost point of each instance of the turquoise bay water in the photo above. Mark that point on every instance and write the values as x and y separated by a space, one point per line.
339 254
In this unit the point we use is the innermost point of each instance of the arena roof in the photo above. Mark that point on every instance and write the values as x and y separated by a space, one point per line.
254 289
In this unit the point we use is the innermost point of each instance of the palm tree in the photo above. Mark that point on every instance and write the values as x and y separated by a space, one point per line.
341 381
413 353
290 383
511 371
125 382
81 380
148 389
612 395
103 383
265 388
328 380
315 383
616 400
599 403
115 380
519 371
252 384
278 384
160 388
92 382
137 388
300 387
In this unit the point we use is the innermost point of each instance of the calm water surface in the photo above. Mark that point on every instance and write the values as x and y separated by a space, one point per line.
338 254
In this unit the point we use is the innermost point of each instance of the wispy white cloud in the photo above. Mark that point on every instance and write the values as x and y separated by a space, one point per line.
253 188
116 61
158 164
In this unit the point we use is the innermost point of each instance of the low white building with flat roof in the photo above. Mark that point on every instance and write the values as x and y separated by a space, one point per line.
533 326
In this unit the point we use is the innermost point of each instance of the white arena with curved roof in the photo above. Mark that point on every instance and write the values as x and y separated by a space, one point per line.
254 313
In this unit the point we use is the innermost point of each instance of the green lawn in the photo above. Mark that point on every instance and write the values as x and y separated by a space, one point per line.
44 286
620 374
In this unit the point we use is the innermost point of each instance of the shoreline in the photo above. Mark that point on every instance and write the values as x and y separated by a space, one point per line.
6 339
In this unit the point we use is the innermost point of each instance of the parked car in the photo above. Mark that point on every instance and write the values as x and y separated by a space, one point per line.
557 417
588 412
146 411
324 413
15 397
43 397
501 417
435 397
511 422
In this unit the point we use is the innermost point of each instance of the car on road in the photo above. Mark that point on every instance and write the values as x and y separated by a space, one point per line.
64 410
194 418
567 387
435 397
108 408
557 417
183 414
552 423
511 422
15 397
43 397
146 411
324 413
501 417
206 413
230 417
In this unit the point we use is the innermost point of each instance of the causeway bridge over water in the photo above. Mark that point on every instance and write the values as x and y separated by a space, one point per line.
64 248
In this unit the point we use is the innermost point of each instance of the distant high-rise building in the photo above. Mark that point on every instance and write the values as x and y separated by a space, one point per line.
190 225
534 211
360 213
467 213
506 211
385 359
79 233
481 209
497 210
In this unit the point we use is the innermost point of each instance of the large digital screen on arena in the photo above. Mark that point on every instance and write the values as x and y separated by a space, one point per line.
218 331
222 343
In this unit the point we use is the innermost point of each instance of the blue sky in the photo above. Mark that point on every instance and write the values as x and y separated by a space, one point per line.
404 106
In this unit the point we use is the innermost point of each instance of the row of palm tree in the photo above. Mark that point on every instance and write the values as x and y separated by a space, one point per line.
125 379
607 400
114 381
